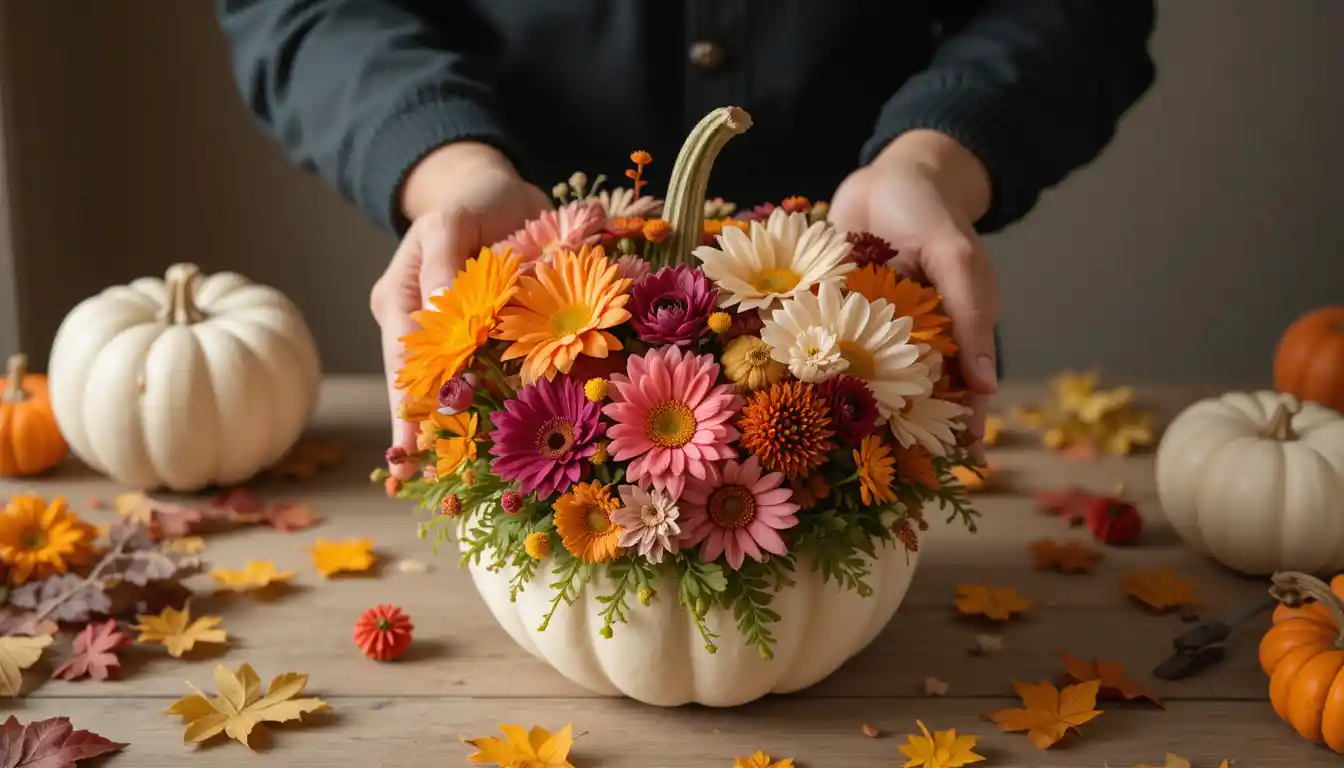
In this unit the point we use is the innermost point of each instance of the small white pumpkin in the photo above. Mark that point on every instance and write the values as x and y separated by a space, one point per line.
1256 480
658 657
184 382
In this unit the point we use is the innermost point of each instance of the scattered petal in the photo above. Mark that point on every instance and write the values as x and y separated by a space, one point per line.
987 645
870 731
411 565
935 687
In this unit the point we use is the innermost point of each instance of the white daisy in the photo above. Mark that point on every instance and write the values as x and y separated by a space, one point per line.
784 258
814 355
648 521
622 203
874 344
930 421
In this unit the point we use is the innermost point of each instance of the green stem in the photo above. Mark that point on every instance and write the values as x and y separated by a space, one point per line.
684 208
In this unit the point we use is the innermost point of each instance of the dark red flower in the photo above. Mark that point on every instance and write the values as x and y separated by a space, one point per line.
383 633
672 306
869 249
852 407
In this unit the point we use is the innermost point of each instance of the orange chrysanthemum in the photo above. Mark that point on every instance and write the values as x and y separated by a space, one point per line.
583 520
457 326
876 471
911 299
560 313
914 466
787 427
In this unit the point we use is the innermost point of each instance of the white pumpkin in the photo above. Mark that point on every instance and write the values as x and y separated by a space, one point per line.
184 382
1257 481
659 657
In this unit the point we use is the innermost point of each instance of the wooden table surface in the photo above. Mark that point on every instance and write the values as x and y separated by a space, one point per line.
464 675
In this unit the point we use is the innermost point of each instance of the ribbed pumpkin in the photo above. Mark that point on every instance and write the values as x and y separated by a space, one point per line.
1310 359
30 441
1303 654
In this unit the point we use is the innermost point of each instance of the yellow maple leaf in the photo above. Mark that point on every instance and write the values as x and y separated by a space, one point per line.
256 575
1095 406
16 655
350 556
177 632
997 603
1073 389
187 545
537 748
941 749
762 760
241 705
134 507
994 426
1048 713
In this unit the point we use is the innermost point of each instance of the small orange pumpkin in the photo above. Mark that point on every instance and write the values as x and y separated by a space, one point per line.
1309 362
1303 654
30 441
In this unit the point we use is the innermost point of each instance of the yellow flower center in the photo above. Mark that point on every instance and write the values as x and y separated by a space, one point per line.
861 362
572 319
758 355
555 438
597 519
32 540
670 425
732 507
775 280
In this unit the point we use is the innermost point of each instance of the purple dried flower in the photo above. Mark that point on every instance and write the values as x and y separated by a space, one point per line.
672 306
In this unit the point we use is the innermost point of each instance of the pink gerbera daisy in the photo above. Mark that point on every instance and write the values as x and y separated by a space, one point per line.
567 228
670 417
737 512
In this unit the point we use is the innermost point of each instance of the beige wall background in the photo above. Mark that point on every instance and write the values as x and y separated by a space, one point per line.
1211 222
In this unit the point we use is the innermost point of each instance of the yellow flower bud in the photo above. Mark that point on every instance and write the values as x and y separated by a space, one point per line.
646 595
720 322
595 390
469 476
537 545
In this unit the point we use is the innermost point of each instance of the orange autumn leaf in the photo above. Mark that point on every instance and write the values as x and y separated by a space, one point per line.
973 479
1111 676
1160 589
1047 713
996 603
1069 557
350 556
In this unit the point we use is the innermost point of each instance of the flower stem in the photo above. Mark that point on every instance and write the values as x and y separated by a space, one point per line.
16 369
1292 588
685 205
181 307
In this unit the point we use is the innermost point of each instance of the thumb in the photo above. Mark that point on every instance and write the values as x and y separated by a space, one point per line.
445 247
961 272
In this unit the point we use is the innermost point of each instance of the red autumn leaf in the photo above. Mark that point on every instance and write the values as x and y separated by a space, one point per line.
95 653
1069 504
52 743
172 521
240 505
290 516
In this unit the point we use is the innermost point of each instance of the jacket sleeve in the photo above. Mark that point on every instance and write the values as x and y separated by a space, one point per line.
1034 88
359 90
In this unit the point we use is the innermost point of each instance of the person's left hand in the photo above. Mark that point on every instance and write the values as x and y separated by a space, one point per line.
923 194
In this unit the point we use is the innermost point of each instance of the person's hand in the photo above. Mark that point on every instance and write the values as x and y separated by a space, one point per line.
460 198
923 194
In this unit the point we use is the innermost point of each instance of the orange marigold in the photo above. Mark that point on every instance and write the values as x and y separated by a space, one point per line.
910 299
787 427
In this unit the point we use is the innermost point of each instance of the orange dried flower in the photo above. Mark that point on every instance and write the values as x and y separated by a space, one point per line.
906 533
657 230
383 633
640 158
786 426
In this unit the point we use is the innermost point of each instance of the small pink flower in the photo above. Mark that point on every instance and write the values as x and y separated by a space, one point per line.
633 267
457 393
671 418
648 522
737 512
567 228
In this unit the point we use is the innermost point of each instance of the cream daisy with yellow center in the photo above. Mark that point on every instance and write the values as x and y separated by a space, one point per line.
785 257
873 343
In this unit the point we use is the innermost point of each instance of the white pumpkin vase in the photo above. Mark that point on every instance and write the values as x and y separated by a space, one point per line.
183 383
658 657
1256 480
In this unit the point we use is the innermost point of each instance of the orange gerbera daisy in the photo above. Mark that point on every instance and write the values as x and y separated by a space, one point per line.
459 323
561 311
876 471
39 540
454 439
583 520
910 299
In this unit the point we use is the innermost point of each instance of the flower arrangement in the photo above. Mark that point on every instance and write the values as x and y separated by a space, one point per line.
675 392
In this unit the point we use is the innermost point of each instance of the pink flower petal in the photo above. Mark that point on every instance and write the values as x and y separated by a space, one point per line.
748 545
776 496
765 536
713 546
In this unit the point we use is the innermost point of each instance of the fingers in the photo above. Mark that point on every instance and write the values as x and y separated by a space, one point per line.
974 435
447 240
960 269
394 297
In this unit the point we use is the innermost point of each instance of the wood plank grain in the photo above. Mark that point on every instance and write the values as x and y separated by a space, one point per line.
420 732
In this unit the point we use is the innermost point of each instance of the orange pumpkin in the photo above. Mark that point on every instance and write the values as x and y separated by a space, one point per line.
30 441
1310 360
1303 654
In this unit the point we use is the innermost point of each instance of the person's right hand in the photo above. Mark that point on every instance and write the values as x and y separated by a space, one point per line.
460 198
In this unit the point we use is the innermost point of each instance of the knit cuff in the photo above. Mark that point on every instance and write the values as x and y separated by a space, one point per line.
413 132
981 117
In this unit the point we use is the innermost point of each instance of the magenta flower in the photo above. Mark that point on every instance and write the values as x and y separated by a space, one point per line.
671 418
672 306
852 407
567 228
737 512
544 436
759 213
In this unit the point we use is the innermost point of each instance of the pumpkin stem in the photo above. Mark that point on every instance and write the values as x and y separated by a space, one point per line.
15 370
1281 424
685 205
1293 588
181 308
